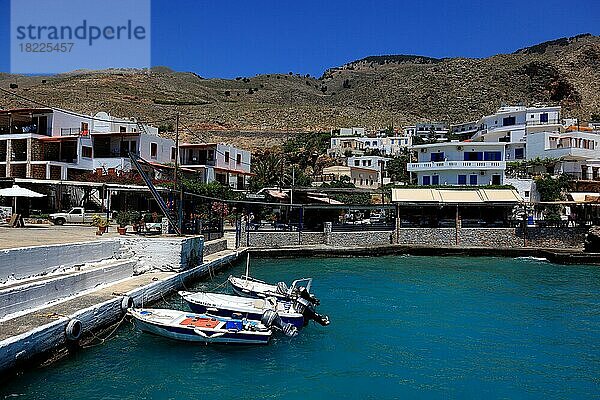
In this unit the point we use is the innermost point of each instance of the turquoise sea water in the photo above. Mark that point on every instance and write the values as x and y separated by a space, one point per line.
402 327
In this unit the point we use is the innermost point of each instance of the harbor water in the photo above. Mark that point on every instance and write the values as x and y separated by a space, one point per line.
401 327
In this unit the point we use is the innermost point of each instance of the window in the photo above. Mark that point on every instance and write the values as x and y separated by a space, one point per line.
133 147
86 152
435 180
426 180
544 117
333 142
153 150
462 179
210 155
507 121
492 156
238 159
84 128
226 156
519 154
527 193
472 179
76 211
173 150
437 156
356 163
473 156
122 129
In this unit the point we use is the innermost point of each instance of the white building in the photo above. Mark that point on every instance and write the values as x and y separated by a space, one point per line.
425 129
459 163
510 124
344 132
340 146
219 162
579 152
396 145
46 143
364 178
538 132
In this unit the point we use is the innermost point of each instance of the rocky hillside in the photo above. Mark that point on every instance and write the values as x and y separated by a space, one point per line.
374 92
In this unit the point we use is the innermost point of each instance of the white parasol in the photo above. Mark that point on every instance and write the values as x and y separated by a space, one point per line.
17 191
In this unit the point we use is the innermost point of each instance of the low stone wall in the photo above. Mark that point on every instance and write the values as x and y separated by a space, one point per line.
164 253
214 246
365 238
564 237
426 236
26 262
270 239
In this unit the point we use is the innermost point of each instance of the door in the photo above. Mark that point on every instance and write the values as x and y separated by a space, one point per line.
76 215
473 180
496 180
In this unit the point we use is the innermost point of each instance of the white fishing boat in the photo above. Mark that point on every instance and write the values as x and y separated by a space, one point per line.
252 287
191 327
297 312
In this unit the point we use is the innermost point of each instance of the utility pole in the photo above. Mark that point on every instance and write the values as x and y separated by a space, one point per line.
293 182
382 165
177 182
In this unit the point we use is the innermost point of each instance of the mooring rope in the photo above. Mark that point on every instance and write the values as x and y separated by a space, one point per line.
102 340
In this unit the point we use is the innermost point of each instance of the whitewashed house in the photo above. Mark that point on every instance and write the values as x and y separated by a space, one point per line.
43 143
219 162
459 163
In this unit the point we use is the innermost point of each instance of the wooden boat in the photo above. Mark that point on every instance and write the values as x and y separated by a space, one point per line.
181 325
292 312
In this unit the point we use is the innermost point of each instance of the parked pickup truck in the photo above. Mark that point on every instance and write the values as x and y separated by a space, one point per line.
76 215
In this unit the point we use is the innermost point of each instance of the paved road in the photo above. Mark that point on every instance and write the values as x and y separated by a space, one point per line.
35 235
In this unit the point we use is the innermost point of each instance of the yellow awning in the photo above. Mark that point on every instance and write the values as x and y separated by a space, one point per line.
460 196
415 195
500 195
585 197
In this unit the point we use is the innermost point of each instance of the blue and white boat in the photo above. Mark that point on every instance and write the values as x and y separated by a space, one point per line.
191 327
295 312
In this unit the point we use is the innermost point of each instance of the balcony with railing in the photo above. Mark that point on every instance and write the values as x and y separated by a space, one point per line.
455 165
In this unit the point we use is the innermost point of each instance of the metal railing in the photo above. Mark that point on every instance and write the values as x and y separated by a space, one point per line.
422 166
70 132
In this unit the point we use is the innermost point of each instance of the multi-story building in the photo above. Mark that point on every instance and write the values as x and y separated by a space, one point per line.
46 143
510 124
539 132
578 152
425 130
396 145
364 178
459 163
217 162
355 145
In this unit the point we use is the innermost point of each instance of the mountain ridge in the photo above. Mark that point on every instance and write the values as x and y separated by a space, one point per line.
374 92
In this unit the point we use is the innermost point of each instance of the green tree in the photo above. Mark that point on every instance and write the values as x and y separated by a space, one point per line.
396 168
552 188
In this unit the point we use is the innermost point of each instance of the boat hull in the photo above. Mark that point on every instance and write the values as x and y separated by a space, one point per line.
221 311
199 334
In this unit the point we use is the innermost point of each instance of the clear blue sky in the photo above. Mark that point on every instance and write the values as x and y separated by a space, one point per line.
221 38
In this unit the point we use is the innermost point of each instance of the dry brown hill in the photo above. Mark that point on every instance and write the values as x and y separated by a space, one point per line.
373 92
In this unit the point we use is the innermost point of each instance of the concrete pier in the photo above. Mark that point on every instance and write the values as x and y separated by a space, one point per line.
96 294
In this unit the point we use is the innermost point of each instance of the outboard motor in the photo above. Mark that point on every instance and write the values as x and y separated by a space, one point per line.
271 319
306 308
304 294
282 288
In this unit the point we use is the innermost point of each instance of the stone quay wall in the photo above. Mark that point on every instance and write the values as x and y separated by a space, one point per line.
542 237
562 238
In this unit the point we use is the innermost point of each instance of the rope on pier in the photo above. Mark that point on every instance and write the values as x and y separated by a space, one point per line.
102 340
